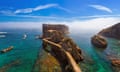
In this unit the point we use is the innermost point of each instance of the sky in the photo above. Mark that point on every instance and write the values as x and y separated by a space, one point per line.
71 12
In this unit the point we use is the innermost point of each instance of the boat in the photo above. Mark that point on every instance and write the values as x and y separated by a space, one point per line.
3 32
24 36
7 49
2 36
37 37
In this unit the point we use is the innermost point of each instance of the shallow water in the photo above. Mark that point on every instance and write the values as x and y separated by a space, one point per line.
95 58
26 51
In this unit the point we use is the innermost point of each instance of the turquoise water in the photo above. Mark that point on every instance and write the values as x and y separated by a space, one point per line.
95 58
26 51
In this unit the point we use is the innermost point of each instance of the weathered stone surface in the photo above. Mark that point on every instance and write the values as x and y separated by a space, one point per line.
61 28
113 31
116 62
58 35
99 41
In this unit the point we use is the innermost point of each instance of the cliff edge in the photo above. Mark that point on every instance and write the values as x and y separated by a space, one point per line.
113 31
57 43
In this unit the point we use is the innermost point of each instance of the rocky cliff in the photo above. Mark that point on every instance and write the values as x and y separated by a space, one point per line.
99 41
62 47
113 31
61 28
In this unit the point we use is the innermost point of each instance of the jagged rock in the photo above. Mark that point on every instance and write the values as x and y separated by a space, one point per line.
57 35
116 62
99 41
113 31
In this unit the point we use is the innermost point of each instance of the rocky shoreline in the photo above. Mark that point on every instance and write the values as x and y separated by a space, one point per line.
100 41
112 32
58 44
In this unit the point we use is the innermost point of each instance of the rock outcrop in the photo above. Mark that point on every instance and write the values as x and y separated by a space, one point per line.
57 43
61 28
116 62
99 41
113 31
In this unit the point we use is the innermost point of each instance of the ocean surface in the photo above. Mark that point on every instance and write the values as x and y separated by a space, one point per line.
25 51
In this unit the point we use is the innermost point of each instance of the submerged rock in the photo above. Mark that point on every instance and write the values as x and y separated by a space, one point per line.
99 41
11 64
113 31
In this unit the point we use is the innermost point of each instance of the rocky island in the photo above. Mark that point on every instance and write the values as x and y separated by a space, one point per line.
100 41
113 32
60 48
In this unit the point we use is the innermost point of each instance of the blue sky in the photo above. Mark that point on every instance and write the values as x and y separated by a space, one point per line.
39 10
77 14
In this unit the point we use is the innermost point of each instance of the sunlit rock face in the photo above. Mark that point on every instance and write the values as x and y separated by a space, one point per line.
113 31
99 41
116 62
59 45
59 27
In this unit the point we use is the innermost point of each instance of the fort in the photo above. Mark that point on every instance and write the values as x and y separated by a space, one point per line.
57 43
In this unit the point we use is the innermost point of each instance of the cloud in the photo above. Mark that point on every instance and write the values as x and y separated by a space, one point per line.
30 10
100 7
7 12
64 9
54 18
41 7
75 26
96 16
44 7
27 10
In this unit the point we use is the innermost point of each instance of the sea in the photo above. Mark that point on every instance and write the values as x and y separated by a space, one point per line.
25 52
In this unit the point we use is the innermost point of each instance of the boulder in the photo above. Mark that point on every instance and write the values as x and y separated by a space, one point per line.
99 41
113 31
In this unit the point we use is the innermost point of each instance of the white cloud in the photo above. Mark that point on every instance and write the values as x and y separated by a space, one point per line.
30 10
27 10
64 9
23 25
41 7
7 12
75 26
101 7
44 7
93 24
96 16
